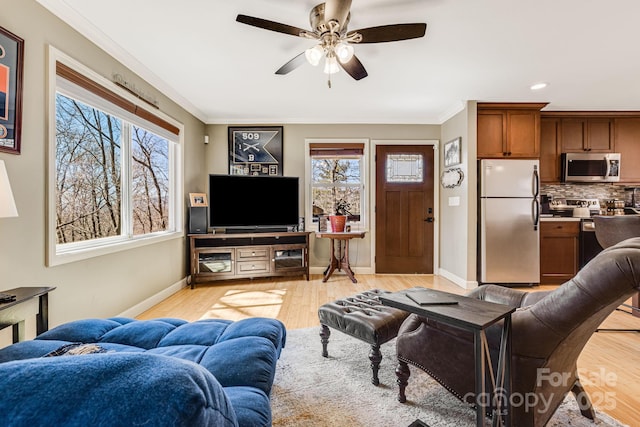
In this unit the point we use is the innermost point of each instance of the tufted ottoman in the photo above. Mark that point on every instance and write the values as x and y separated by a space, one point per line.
363 317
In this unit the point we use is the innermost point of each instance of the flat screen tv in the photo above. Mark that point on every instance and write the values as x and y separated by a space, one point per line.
241 203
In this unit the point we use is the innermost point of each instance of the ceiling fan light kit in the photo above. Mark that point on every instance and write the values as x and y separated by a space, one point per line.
329 23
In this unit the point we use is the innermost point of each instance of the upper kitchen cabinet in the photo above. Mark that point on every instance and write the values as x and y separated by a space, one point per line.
550 150
509 130
580 134
627 138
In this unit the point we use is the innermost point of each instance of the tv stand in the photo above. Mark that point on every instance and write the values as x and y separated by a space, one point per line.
225 256
260 230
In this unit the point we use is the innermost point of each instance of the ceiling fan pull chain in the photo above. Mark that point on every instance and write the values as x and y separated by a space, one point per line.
329 81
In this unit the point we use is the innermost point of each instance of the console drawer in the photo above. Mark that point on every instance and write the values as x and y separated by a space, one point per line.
257 266
252 253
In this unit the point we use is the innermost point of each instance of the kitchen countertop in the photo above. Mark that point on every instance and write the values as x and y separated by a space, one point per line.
559 218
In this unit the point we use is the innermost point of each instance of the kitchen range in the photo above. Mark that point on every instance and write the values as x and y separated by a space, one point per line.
583 209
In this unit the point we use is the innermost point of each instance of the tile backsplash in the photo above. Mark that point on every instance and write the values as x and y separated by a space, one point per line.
602 192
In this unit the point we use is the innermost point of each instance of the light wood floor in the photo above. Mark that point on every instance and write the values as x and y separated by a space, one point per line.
609 365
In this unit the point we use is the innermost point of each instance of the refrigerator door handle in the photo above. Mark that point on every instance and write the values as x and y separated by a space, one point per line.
536 182
535 213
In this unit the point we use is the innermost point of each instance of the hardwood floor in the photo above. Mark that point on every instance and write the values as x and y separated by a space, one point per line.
609 365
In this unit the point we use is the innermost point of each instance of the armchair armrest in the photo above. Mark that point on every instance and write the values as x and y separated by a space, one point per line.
502 295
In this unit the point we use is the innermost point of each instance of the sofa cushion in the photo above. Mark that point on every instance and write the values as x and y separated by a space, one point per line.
241 355
112 390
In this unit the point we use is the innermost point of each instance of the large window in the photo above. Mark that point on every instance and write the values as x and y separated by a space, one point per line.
114 176
336 175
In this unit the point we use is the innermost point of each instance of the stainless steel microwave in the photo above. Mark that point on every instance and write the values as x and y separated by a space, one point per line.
591 167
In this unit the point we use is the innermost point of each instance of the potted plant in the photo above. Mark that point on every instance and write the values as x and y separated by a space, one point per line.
339 219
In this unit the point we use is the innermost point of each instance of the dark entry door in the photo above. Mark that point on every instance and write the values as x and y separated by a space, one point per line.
404 209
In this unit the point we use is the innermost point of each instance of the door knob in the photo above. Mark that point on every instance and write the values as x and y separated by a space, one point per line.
429 219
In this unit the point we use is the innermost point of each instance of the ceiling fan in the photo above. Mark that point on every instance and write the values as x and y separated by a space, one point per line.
329 23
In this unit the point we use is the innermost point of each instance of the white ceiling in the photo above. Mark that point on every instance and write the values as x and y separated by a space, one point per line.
488 50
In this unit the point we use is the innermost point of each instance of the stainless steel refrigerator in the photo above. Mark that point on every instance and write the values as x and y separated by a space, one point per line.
509 222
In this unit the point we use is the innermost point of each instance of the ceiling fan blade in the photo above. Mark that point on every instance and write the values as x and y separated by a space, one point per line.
391 33
337 10
354 68
271 25
292 65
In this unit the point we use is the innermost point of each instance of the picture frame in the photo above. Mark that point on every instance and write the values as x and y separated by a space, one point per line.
453 152
11 74
198 200
255 150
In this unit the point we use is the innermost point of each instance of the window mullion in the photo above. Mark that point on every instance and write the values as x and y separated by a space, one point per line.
126 181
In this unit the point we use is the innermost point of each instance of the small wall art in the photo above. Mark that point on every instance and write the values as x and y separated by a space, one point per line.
11 60
453 152
452 178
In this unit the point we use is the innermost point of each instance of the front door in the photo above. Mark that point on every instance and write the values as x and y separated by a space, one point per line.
404 209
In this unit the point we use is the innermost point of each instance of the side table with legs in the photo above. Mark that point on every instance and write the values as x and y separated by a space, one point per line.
476 316
340 252
28 301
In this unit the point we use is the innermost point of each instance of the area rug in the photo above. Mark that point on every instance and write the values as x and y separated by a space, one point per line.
312 391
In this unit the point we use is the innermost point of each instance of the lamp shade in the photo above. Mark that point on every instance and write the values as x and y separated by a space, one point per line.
7 204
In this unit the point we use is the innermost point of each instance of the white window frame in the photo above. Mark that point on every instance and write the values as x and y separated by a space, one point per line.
71 252
364 167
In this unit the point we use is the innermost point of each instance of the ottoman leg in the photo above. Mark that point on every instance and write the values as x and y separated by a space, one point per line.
375 357
403 373
325 333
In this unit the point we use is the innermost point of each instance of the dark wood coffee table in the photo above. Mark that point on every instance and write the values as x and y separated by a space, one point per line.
476 316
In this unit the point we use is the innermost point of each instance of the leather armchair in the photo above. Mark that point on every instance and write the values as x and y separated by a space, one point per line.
614 229
549 331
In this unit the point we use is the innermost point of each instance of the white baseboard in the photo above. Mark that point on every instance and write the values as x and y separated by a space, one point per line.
153 300
464 284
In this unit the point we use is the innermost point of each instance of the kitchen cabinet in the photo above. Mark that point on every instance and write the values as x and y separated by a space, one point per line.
508 130
559 246
593 134
627 143
550 150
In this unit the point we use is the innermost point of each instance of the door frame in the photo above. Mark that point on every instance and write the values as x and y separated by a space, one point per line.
436 193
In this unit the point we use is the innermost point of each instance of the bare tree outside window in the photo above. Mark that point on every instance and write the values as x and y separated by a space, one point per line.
89 178
334 179
88 172
150 179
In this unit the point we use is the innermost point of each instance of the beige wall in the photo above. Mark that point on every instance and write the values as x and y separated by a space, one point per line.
458 229
112 284
293 160
98 287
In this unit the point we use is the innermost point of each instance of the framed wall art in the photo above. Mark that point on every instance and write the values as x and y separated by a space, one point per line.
452 152
255 150
11 63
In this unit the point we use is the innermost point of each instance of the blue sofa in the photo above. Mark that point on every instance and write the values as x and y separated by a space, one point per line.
162 372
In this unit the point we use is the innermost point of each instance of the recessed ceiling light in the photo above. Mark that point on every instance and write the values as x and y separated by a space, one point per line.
538 86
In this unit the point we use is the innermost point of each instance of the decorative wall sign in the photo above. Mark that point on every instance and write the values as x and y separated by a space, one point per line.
453 152
452 178
255 150
11 60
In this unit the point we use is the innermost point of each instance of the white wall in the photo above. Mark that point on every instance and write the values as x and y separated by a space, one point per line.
98 287
458 224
